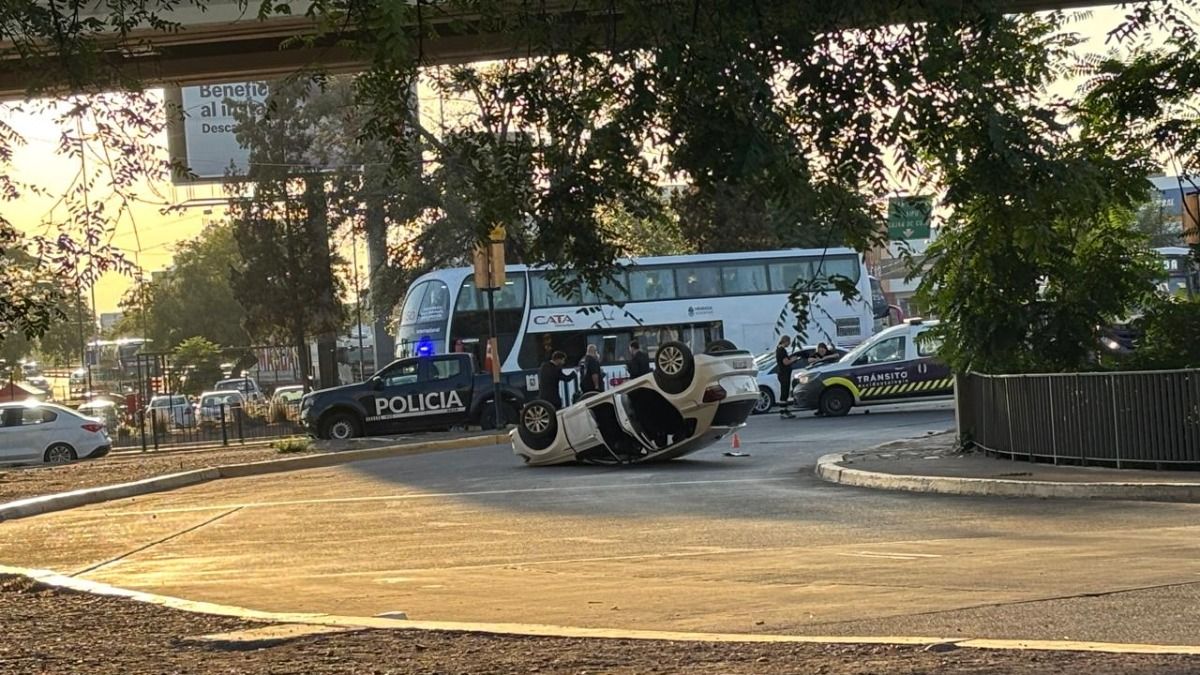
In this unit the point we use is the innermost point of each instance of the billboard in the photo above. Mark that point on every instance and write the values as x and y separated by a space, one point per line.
200 128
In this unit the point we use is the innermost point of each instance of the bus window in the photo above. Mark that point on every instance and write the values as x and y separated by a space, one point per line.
651 284
543 295
470 321
610 292
698 282
744 279
436 303
412 304
786 274
840 266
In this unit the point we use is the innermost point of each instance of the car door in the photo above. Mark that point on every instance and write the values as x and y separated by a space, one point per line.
931 376
882 371
392 399
16 441
447 390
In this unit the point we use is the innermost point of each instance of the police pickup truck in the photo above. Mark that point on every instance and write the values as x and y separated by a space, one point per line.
413 394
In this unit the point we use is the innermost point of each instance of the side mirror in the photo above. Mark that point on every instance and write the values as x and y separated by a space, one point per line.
376 382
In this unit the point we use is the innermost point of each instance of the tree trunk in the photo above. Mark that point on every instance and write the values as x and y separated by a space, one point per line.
318 229
377 260
303 356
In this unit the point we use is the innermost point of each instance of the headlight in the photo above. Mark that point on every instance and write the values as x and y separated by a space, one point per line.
1110 344
800 378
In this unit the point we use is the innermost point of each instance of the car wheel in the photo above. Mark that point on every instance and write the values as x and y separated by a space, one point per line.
718 346
766 401
836 401
674 366
340 426
487 414
60 453
538 426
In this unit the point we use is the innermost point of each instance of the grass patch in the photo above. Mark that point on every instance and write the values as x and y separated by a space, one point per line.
288 446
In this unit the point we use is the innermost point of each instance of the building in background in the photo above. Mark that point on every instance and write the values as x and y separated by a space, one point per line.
109 320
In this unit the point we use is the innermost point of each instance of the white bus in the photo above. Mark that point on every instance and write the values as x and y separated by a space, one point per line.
694 298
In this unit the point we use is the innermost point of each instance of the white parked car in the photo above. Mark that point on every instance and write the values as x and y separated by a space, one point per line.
685 404
208 409
768 380
45 432
173 410
248 386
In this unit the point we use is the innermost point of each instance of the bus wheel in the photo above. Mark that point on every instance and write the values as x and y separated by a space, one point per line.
766 400
836 401
674 366
718 346
340 426
538 425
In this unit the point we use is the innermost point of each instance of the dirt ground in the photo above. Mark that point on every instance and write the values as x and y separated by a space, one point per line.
53 631
31 481
19 482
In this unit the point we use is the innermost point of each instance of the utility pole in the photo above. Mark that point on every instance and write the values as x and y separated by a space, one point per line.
489 277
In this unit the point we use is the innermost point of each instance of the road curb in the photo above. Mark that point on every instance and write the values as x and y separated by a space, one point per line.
56 580
33 506
830 468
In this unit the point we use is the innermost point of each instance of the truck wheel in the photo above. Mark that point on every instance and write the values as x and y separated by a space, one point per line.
674 367
487 414
538 426
836 402
718 346
340 426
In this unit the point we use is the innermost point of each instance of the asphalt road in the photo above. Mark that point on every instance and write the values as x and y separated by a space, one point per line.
712 543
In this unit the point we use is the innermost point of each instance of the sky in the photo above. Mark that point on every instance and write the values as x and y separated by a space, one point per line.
150 237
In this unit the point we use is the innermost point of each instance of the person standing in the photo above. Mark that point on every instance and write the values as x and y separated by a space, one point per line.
783 370
592 375
550 376
639 363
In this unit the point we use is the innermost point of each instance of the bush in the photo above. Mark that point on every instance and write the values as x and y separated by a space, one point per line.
278 412
292 445
1170 329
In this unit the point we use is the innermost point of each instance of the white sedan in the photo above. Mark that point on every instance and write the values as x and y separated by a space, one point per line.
44 432
768 381
685 404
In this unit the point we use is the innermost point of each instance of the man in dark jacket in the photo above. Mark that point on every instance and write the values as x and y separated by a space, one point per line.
550 376
639 363
590 372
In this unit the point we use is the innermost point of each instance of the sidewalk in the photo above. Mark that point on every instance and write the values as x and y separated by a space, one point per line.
931 464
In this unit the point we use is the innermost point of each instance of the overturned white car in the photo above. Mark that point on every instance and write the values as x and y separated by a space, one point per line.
685 404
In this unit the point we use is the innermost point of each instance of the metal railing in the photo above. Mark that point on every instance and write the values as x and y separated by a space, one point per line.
1149 418
227 425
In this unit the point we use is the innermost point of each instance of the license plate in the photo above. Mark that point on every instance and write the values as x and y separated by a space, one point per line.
741 364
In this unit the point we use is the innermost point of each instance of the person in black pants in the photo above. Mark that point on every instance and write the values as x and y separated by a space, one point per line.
783 369
550 376
639 363
591 372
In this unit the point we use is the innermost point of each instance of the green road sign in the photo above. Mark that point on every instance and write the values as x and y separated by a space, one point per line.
908 218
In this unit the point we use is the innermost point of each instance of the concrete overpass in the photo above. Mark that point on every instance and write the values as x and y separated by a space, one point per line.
227 42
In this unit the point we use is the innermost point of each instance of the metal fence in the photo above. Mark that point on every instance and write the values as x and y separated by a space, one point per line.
228 425
1144 419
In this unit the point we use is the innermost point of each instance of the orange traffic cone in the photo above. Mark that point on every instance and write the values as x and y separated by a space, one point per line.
737 443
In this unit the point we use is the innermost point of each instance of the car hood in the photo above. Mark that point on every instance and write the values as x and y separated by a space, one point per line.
342 390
